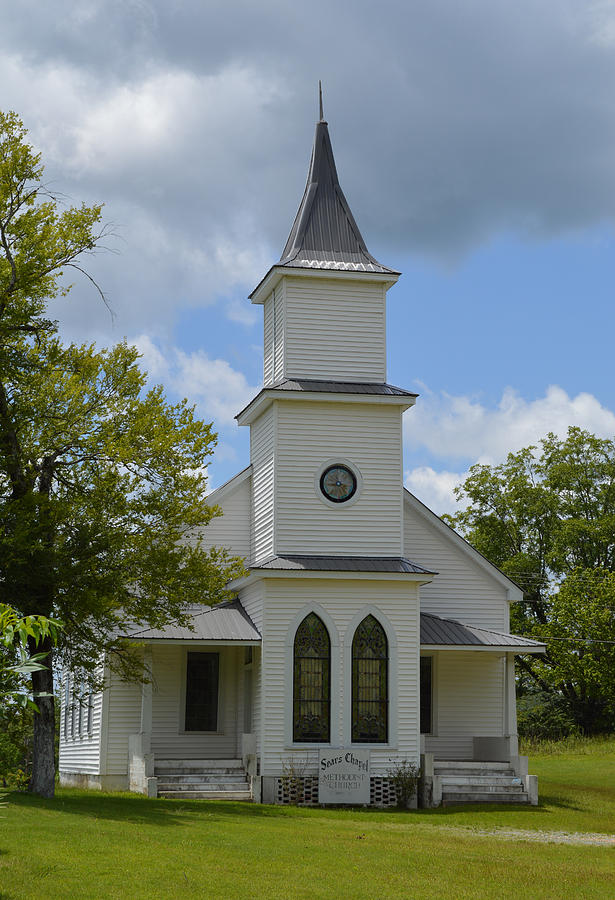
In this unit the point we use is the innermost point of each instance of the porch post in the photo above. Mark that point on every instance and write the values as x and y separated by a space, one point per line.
510 706
146 693
140 758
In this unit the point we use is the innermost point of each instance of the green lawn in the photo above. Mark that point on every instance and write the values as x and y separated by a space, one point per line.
89 845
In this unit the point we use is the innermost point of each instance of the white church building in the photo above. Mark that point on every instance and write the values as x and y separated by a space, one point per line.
365 629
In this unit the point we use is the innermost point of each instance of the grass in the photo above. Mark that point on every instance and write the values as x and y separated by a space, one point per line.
89 845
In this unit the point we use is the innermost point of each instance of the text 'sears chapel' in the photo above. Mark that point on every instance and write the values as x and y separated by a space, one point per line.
366 631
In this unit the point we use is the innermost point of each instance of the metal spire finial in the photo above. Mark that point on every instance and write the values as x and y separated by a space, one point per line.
322 115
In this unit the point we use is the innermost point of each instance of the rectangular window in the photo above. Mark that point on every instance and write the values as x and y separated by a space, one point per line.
90 712
202 678
426 694
66 703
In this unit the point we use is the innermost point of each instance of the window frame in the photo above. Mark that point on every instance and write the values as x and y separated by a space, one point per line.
326 699
184 691
384 678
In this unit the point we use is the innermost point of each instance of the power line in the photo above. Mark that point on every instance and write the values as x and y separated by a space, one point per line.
545 640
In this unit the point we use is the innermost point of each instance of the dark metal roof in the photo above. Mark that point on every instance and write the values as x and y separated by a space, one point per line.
305 385
339 387
448 632
343 564
227 621
324 234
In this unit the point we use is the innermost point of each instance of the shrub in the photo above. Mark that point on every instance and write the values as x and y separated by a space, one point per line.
405 777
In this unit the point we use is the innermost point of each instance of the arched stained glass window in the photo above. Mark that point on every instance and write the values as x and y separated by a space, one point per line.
312 682
370 696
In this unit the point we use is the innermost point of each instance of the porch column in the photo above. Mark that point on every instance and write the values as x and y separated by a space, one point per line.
510 705
140 758
146 693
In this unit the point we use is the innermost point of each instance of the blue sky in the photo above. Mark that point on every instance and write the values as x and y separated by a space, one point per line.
476 147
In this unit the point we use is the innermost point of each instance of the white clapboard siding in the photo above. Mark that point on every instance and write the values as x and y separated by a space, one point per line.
342 599
262 459
468 702
251 598
123 718
463 589
231 530
169 741
268 340
335 329
274 335
366 435
80 749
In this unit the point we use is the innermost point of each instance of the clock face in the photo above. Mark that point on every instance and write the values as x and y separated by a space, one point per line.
338 483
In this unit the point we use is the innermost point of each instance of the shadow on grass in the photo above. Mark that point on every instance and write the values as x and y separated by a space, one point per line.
140 810
544 807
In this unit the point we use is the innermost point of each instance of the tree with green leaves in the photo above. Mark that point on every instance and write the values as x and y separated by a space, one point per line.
546 517
16 702
102 484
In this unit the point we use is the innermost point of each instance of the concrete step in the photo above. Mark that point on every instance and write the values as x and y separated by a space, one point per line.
484 771
453 787
450 798
463 780
182 765
194 777
206 795
204 785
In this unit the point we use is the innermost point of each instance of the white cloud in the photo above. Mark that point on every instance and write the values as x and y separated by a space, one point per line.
217 389
462 428
153 361
434 489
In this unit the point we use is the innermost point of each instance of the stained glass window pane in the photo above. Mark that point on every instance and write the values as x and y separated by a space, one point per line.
370 658
312 682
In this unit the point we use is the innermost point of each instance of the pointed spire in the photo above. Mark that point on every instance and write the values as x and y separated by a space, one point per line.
324 234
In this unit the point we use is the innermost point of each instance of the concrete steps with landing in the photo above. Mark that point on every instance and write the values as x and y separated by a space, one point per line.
215 779
479 782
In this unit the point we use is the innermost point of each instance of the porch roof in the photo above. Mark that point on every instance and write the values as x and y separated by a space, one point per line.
447 634
226 623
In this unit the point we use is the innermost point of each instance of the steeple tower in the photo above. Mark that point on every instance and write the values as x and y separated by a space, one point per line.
325 299
325 431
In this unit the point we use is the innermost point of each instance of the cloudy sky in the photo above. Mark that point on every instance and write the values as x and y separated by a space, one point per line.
475 143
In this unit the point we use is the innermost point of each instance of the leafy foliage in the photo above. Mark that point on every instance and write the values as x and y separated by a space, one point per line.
405 776
546 517
16 660
102 484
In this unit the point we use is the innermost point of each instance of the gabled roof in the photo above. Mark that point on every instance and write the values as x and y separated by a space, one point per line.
324 234
227 622
438 632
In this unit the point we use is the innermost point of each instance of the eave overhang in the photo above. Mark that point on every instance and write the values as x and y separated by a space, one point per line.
277 272
339 568
265 398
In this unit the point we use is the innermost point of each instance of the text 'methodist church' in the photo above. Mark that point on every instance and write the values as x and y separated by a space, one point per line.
365 628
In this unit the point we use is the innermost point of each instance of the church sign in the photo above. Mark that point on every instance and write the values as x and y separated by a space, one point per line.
343 776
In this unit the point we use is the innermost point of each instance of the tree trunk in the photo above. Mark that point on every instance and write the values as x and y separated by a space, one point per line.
43 765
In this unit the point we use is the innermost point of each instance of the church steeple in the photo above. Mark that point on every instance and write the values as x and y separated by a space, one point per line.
324 234
325 300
